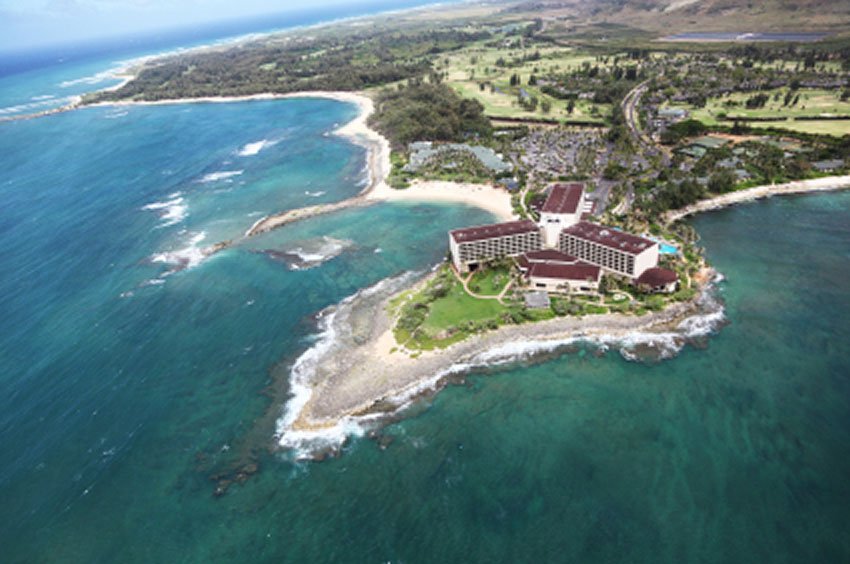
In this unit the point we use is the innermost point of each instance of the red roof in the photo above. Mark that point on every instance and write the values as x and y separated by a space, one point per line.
609 237
655 277
580 271
482 232
564 198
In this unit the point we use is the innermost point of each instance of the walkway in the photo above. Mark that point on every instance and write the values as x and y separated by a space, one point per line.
465 283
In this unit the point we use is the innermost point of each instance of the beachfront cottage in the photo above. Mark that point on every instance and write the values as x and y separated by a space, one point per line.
657 281
563 207
559 273
613 250
472 246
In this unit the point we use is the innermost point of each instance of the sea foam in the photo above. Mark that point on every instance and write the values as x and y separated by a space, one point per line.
635 346
305 443
220 175
183 258
171 211
252 149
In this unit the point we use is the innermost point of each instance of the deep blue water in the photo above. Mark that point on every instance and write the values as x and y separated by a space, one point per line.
130 390
37 80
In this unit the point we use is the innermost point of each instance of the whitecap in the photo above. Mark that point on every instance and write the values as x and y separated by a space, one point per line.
221 175
315 194
311 252
183 258
31 107
251 149
171 211
92 79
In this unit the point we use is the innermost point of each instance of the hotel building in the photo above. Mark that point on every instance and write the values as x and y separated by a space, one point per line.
556 272
474 245
615 251
563 208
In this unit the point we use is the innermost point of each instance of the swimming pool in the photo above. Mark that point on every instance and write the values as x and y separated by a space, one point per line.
665 248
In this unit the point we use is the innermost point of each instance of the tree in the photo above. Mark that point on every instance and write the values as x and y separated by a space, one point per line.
545 106
722 181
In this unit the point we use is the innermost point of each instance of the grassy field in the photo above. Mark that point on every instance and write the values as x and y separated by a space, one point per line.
812 103
490 281
476 64
459 308
835 128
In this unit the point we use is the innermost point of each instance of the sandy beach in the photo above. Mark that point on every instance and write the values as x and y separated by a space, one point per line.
494 200
799 187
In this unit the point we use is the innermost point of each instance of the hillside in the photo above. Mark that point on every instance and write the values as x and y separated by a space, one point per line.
675 16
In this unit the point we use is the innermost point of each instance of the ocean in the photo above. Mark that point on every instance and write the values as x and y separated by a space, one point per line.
140 380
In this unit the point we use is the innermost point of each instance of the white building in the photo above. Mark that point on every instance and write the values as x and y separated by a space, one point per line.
658 281
615 251
564 207
474 245
558 273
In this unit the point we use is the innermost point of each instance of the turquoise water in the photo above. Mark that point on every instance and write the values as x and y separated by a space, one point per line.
137 378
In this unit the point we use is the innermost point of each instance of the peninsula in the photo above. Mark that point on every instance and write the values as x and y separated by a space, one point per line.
588 151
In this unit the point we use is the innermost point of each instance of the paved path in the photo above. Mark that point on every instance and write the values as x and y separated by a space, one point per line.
465 283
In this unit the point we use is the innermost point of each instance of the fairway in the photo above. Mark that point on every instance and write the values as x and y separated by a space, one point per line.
812 103
473 66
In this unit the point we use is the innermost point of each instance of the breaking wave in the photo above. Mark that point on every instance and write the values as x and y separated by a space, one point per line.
37 104
305 443
220 175
171 211
310 253
251 149
188 256
637 346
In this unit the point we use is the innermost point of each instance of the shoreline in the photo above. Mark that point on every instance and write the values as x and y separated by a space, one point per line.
824 184
358 374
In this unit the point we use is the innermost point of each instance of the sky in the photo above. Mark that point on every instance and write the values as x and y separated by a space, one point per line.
26 24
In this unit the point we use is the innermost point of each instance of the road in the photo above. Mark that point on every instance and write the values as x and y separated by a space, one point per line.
629 106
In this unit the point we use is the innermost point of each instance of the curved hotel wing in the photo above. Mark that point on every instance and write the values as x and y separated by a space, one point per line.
616 251
473 245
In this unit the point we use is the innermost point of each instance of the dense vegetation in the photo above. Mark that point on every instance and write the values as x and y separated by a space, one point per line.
354 62
428 111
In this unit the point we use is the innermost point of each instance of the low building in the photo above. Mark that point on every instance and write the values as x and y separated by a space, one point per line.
559 273
473 246
564 207
657 280
579 278
672 114
709 142
615 251
828 166
537 300
422 152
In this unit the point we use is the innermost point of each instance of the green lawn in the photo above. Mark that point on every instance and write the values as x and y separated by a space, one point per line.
812 103
458 308
490 281
477 63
